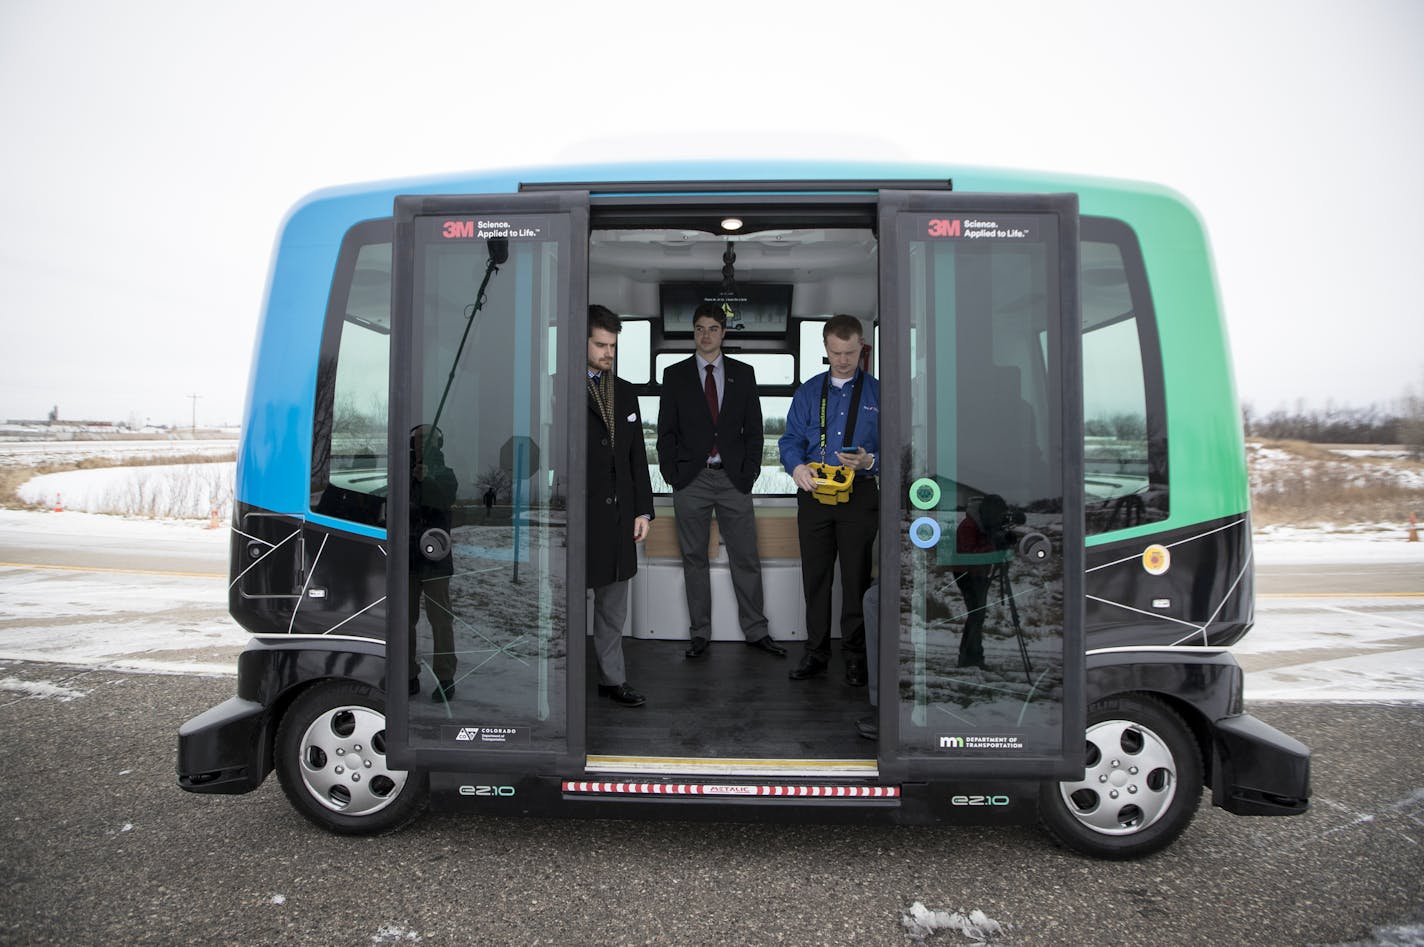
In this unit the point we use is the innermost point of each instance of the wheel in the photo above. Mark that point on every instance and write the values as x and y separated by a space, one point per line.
331 762
1141 786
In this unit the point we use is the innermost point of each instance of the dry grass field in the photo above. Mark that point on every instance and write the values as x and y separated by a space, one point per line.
1298 484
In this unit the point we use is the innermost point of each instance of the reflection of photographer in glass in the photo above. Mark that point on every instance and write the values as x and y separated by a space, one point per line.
432 493
992 526
987 527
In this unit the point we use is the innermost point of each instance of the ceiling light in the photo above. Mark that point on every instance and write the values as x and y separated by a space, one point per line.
732 223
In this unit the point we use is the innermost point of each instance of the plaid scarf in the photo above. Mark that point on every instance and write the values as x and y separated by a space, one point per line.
601 392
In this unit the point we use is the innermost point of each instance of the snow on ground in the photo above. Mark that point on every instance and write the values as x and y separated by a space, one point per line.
13 685
1361 542
185 491
36 453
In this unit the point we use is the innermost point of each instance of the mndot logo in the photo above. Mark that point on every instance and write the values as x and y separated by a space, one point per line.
1156 559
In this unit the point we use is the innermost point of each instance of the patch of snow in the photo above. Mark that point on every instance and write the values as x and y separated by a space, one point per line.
394 933
1394 453
279 899
31 527
920 922
1362 543
42 689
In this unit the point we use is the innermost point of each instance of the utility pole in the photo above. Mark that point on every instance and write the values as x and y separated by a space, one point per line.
195 412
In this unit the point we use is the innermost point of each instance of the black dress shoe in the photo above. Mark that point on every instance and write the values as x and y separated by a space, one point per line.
809 667
868 727
697 649
444 690
622 694
765 643
855 671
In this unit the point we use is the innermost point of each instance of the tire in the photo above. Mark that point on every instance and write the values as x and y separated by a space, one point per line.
330 727
1141 786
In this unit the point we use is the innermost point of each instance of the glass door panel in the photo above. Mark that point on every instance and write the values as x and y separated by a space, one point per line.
986 534
483 288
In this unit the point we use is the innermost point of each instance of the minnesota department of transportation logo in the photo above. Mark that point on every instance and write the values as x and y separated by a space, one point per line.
1006 742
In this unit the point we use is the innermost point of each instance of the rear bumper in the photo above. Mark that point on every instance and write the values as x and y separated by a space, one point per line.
1258 769
222 750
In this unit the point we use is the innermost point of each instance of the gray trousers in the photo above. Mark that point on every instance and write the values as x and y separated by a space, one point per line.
736 519
610 611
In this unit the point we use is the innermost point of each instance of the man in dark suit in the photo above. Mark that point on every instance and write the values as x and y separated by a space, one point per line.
709 451
620 501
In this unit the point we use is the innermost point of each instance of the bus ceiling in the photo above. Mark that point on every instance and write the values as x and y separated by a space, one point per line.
738 187
756 205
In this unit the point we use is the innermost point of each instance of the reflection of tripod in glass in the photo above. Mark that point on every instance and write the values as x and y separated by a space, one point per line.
975 586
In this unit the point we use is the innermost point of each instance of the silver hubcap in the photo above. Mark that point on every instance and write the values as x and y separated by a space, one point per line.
1130 781
344 761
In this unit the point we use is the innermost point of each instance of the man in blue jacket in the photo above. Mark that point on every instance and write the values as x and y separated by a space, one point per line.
834 419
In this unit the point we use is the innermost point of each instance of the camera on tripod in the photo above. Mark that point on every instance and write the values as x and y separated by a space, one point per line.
1002 525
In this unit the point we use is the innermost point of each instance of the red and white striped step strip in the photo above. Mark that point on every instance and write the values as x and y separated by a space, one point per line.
715 789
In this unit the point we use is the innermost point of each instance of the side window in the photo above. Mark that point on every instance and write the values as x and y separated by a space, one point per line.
349 418
1124 421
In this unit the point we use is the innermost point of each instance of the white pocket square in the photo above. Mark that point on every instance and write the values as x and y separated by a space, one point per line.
632 417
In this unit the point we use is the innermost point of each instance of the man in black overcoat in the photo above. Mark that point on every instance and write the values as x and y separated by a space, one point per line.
620 501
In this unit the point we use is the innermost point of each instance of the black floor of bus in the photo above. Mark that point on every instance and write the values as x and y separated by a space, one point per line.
734 701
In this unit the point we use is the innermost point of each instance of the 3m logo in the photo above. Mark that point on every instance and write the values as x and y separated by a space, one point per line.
945 228
460 230
468 733
951 743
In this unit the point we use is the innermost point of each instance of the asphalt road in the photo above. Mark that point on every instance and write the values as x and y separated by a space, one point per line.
100 846
1336 578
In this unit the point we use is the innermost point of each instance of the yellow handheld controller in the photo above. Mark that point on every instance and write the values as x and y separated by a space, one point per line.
833 483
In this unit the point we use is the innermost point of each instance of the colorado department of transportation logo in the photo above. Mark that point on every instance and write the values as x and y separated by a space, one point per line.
482 736
1156 559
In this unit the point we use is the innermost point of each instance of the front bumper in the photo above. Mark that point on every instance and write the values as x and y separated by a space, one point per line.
1258 769
223 749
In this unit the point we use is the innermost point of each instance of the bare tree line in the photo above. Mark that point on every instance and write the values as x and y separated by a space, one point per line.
1402 424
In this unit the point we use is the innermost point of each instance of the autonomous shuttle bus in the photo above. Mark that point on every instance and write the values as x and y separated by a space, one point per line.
1053 367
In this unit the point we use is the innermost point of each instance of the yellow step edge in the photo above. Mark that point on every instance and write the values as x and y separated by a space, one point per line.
704 766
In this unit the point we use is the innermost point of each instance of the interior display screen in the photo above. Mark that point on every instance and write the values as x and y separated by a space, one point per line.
753 309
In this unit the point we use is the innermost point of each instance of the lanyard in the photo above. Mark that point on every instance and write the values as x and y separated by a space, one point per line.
854 409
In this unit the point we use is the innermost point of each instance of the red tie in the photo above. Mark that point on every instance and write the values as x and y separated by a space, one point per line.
711 389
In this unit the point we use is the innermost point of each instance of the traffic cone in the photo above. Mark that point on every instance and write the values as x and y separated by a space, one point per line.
213 519
1413 529
59 503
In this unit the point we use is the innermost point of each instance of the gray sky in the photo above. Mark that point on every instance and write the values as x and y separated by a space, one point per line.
152 149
